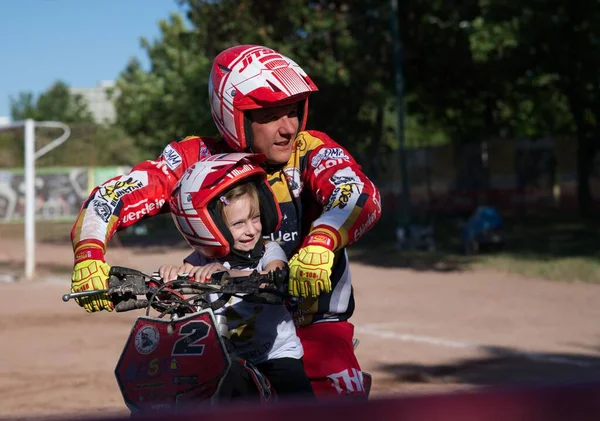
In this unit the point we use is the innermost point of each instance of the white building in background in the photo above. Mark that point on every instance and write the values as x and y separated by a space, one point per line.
98 101
4 120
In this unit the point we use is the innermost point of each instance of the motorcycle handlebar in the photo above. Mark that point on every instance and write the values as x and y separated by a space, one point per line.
126 283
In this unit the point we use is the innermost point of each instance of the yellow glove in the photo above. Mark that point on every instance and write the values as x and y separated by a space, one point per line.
310 268
91 273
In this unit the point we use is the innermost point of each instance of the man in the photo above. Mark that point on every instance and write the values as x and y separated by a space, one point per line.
259 102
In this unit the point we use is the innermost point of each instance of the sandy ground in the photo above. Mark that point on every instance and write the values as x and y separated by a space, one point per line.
420 332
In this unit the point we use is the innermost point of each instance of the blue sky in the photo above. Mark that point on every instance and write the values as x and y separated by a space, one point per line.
78 41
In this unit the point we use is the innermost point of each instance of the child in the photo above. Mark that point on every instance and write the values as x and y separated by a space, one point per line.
263 334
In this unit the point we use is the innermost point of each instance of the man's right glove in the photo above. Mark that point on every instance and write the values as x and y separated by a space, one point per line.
91 273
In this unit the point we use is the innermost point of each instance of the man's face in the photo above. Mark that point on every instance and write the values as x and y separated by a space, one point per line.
273 131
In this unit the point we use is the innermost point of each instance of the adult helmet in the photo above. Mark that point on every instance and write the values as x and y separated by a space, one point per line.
249 77
193 202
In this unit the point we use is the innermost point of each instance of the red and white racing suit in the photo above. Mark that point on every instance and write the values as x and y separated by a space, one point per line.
321 187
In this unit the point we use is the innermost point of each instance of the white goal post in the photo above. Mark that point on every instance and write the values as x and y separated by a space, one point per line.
30 156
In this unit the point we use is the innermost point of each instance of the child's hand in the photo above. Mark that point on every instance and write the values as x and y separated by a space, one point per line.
169 273
203 273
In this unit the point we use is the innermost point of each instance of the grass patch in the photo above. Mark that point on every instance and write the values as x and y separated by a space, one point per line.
555 247
569 269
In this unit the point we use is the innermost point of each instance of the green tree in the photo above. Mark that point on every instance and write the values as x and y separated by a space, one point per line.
481 68
461 75
23 107
342 47
550 51
89 143
56 104
170 100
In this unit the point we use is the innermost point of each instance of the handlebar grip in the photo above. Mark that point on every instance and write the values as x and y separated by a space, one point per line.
130 305
121 271
219 278
280 277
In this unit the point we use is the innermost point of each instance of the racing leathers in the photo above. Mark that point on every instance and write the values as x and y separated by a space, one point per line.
321 190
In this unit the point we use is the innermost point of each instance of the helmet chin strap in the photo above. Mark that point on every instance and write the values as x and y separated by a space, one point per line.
244 259
248 133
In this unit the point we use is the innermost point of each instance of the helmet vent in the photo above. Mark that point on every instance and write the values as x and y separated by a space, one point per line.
224 69
274 87
291 80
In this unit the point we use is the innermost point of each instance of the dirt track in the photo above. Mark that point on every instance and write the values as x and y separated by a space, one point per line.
419 332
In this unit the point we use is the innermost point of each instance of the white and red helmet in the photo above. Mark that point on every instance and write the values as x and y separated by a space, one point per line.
193 202
249 77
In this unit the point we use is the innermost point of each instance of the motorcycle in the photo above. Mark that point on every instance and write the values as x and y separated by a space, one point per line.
182 356
185 359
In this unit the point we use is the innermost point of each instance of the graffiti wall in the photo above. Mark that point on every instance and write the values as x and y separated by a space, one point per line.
59 192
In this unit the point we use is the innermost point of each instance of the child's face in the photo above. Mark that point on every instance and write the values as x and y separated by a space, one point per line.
244 224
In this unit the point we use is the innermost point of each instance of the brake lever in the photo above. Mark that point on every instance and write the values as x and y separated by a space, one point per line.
74 295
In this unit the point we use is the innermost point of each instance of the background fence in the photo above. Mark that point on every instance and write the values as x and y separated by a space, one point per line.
512 175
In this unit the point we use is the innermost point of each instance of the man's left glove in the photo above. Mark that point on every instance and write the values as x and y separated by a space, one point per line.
91 273
310 268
